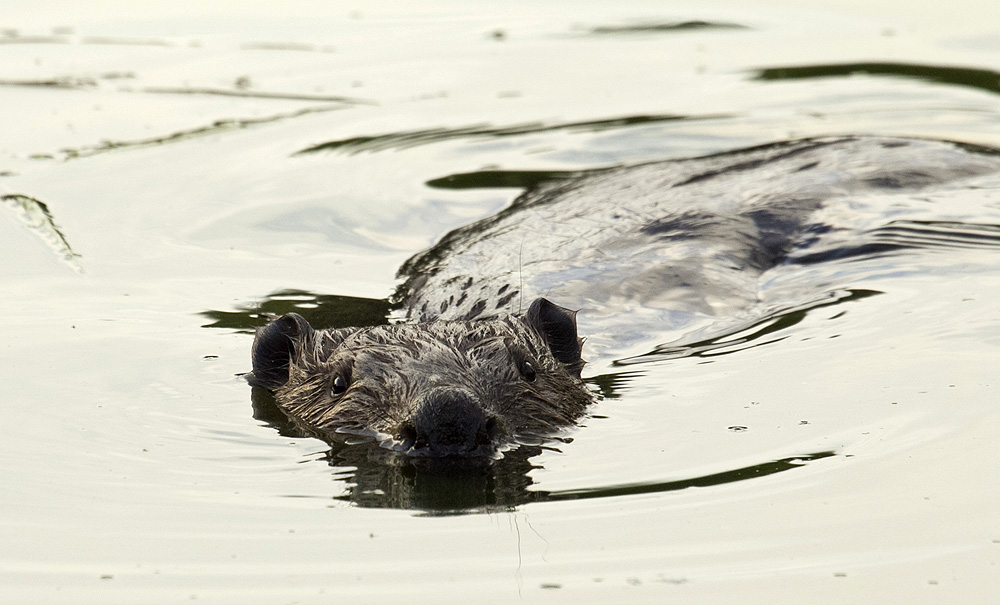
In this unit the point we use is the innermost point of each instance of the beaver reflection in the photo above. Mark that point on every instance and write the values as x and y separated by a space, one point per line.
381 478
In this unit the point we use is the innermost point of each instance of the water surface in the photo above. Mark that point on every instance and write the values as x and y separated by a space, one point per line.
171 172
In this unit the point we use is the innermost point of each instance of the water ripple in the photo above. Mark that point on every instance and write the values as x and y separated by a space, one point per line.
982 79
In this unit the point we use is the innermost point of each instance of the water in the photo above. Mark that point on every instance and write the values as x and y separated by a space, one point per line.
171 171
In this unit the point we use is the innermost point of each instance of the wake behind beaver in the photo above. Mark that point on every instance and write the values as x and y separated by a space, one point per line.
680 245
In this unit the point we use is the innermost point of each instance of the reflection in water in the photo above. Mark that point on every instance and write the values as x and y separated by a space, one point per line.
611 385
260 94
899 235
9 36
746 337
983 79
321 310
662 27
501 179
216 127
739 474
65 82
379 478
318 102
414 138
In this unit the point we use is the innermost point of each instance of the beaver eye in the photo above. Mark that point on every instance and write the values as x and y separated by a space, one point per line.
339 386
527 371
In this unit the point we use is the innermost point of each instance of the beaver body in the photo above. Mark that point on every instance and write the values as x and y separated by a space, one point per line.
683 242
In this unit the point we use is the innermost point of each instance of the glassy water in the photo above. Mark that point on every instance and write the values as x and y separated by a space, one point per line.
170 172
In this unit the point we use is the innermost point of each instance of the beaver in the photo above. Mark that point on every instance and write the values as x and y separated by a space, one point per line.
449 388
466 372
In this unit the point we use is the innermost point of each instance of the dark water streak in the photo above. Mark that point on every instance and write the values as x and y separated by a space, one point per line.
414 138
663 27
980 79
633 489
379 478
326 310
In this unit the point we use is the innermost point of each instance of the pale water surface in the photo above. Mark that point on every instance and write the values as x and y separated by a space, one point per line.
169 170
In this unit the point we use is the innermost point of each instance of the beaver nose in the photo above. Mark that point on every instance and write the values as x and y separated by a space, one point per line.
449 422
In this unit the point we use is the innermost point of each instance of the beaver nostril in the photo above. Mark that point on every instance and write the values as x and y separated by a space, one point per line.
451 422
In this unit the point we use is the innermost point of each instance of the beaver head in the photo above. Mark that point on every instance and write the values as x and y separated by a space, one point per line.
442 389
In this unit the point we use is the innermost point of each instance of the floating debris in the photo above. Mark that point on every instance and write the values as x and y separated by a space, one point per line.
39 219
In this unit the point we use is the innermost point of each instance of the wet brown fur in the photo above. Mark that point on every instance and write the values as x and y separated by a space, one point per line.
389 370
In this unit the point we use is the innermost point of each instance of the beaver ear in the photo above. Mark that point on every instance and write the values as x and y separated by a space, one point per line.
273 349
558 326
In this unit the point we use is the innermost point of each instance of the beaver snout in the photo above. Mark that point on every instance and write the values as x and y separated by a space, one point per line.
449 422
